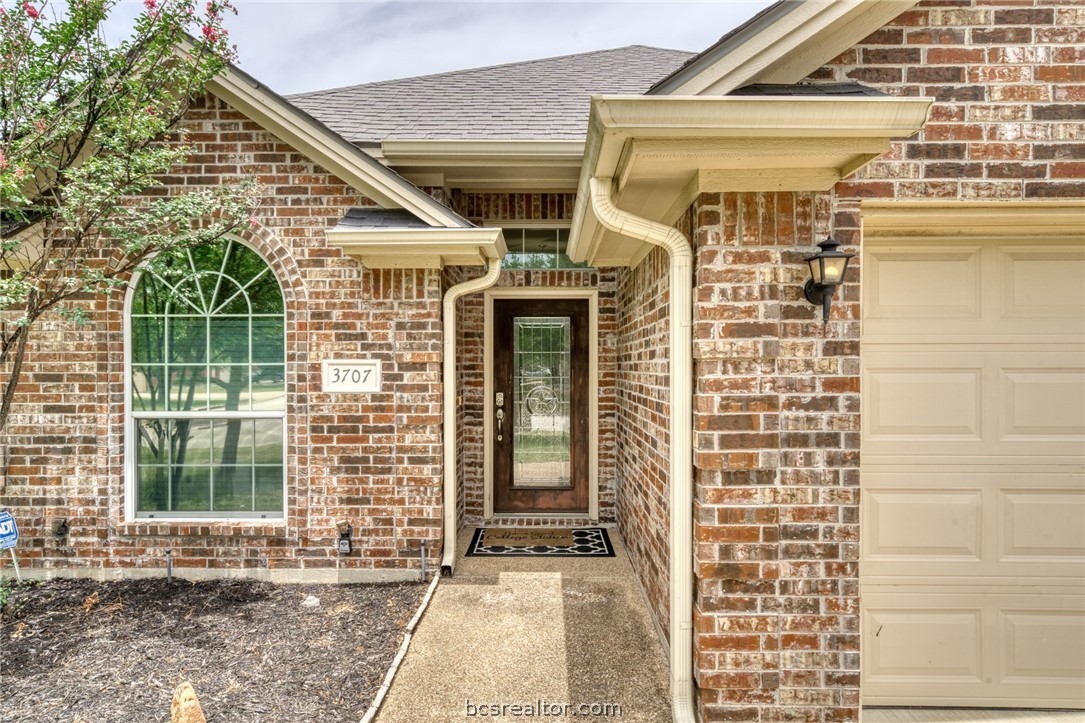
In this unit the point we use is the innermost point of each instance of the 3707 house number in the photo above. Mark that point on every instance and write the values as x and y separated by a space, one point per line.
355 375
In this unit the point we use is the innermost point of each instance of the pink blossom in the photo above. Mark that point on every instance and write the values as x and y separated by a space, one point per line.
210 33
150 4
31 11
253 224
3 161
39 125
20 173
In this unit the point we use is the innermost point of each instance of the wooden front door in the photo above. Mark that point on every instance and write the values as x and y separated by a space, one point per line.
540 405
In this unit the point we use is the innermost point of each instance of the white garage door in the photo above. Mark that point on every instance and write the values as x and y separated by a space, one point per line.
973 448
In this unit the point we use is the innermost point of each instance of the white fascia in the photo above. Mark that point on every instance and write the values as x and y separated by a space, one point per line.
420 247
793 43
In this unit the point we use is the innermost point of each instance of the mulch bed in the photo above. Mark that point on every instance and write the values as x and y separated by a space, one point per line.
110 652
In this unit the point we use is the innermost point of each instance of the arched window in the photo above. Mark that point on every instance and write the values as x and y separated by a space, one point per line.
206 386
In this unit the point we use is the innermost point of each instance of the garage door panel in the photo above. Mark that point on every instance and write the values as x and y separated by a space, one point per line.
928 523
924 644
988 400
1042 281
1040 402
928 282
925 403
1010 524
1043 644
1042 524
980 648
949 291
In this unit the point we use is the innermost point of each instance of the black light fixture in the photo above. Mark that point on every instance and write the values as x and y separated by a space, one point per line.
827 271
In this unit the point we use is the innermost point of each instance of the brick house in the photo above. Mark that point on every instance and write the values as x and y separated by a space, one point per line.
638 219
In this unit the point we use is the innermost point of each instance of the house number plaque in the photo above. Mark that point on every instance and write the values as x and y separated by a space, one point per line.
352 375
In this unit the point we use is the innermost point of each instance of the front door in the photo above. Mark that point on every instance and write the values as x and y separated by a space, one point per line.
540 405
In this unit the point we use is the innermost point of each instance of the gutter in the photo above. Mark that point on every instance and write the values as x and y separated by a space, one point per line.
681 431
448 383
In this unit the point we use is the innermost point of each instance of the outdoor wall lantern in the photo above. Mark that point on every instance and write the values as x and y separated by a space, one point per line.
827 271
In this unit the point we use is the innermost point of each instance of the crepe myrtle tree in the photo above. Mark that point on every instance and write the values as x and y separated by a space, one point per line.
87 128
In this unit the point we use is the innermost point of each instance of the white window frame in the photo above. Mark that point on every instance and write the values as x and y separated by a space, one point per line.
131 418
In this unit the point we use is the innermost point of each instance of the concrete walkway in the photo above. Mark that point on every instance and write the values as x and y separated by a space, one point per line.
517 631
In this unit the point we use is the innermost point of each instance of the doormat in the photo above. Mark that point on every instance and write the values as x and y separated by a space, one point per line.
542 542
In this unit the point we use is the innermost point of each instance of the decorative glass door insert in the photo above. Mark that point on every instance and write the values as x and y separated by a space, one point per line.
542 396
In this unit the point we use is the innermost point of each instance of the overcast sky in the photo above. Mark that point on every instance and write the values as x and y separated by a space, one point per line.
297 45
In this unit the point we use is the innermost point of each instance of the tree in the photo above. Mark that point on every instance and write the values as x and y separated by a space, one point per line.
87 129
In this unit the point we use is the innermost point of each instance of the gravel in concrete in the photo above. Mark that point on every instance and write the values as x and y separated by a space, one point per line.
561 631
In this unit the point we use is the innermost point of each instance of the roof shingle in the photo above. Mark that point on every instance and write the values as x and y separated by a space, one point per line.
544 99
367 217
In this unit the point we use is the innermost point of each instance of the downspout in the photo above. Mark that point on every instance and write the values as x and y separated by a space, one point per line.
448 380
681 448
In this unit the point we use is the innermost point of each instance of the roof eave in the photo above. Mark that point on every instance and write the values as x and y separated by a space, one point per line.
487 165
665 150
327 148
783 44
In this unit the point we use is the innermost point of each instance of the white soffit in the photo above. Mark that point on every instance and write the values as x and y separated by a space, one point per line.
514 165
783 45
420 248
662 151
326 148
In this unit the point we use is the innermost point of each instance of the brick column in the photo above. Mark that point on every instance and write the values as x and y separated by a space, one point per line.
776 416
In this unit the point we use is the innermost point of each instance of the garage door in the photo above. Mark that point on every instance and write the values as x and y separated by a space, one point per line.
973 449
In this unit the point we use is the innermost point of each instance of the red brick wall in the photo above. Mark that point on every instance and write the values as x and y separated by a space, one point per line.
775 456
643 479
1009 80
372 459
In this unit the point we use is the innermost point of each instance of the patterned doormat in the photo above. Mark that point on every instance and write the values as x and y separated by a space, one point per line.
542 542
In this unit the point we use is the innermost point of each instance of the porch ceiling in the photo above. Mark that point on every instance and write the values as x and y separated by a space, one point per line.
510 165
661 152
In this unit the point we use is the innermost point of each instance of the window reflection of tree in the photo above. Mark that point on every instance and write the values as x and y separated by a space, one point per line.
201 320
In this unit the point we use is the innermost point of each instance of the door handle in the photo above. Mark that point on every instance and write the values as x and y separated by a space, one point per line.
499 416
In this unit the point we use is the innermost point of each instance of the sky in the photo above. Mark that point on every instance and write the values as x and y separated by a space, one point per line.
296 45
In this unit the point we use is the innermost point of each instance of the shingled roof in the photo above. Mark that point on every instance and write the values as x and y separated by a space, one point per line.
545 99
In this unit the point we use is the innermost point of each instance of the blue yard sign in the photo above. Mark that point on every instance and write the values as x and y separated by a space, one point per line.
9 533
